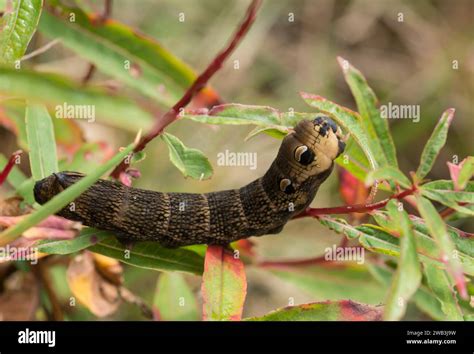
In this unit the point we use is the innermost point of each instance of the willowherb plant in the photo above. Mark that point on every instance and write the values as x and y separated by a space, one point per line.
414 253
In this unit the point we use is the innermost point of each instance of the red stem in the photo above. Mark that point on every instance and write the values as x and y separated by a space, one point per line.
198 85
9 166
356 208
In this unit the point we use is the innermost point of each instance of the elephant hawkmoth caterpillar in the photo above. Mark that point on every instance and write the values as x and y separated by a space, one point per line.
264 206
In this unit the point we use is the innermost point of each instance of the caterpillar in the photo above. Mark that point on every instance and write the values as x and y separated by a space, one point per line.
304 161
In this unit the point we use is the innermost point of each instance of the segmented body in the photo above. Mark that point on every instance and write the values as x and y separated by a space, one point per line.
264 206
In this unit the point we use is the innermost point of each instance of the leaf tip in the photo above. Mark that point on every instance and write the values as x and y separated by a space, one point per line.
344 64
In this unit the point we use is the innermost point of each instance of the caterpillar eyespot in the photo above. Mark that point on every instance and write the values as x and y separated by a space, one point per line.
285 186
304 155
303 163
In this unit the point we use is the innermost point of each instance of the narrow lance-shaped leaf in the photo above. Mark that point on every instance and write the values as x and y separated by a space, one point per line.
123 53
237 114
443 192
461 173
19 28
174 300
151 255
191 162
224 285
466 173
388 173
41 142
439 282
448 253
86 238
408 275
424 299
345 310
56 91
336 283
379 240
434 144
372 120
62 199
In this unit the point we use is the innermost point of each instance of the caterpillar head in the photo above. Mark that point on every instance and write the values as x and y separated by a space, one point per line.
48 187
319 142
306 156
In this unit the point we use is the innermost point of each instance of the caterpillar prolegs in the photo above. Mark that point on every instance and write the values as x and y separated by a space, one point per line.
264 206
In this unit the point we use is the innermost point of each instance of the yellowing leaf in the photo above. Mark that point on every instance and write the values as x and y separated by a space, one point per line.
224 285
90 288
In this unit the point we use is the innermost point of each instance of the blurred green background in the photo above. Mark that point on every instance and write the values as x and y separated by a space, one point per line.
409 62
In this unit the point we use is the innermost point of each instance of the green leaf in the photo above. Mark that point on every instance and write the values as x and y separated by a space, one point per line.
276 131
345 310
191 162
121 52
54 91
407 278
150 255
443 191
350 121
86 238
450 199
437 190
378 239
389 174
438 281
238 114
62 199
322 283
224 285
174 300
19 29
447 251
15 115
447 185
466 173
41 142
434 144
427 245
372 121
354 160
424 299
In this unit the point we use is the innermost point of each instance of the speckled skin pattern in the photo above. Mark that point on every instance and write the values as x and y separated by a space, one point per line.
264 206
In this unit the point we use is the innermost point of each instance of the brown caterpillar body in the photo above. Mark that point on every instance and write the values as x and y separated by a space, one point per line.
264 206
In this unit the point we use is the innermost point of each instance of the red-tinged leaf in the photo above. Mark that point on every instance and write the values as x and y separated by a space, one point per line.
344 310
352 190
127 176
246 247
52 228
224 285
462 173
52 221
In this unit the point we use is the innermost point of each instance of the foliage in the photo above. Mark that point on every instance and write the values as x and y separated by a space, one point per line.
415 254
